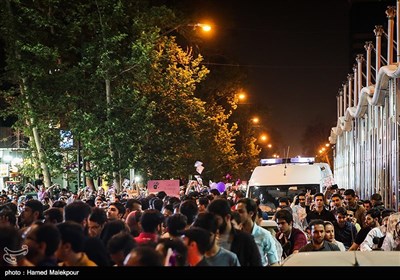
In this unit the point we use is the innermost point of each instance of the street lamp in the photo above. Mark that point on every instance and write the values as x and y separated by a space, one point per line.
242 96
255 120
263 137
267 150
324 152
203 26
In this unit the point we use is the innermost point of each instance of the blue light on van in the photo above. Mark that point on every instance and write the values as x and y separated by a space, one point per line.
266 161
272 161
302 160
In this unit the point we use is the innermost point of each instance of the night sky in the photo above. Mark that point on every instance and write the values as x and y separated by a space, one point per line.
296 54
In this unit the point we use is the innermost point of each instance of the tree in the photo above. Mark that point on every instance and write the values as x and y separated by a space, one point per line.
220 92
107 71
84 57
30 61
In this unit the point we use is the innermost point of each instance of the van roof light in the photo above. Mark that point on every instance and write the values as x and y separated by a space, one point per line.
302 160
272 161
269 161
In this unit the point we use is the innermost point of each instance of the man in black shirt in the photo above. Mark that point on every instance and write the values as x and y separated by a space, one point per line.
319 211
345 231
239 242
318 242
371 220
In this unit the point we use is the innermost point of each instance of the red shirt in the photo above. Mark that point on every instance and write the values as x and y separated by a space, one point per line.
146 237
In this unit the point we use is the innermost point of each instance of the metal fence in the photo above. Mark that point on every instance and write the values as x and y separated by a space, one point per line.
366 138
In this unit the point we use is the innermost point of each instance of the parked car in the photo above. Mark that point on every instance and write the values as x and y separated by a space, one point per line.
347 258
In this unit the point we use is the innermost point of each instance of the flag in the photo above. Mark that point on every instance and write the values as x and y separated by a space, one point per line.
199 166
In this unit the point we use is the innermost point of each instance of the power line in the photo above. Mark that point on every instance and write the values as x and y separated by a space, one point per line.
277 66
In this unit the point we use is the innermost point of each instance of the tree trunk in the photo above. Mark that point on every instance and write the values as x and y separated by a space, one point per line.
36 137
33 150
112 152
89 180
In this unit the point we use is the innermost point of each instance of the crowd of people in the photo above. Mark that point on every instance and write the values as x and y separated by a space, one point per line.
337 220
197 227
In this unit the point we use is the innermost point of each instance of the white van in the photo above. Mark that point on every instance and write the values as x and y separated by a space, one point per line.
278 178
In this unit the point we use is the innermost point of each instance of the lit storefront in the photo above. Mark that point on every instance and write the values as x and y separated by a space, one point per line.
10 162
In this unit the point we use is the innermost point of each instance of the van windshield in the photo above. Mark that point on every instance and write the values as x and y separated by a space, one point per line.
269 195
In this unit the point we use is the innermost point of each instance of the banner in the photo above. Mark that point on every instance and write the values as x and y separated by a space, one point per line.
170 187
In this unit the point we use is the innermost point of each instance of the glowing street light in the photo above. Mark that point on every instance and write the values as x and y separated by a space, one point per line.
263 137
203 26
255 120
324 152
242 96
